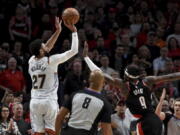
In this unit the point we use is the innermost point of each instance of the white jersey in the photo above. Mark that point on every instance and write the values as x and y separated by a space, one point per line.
43 72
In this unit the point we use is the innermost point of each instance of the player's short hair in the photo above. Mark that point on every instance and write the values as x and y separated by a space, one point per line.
132 71
35 46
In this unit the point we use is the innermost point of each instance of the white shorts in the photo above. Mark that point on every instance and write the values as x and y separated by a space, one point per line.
43 114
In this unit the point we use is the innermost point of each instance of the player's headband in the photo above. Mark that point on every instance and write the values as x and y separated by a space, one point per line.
130 76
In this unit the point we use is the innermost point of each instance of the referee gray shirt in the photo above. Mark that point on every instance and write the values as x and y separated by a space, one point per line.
87 109
172 125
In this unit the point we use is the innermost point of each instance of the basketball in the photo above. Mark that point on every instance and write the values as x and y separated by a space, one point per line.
70 15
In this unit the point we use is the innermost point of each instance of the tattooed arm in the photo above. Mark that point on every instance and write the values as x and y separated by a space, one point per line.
150 80
117 82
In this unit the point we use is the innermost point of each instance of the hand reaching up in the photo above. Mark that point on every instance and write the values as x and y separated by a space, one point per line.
85 50
163 95
58 24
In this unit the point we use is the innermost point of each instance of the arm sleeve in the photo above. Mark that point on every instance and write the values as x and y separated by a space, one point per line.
106 113
90 64
61 58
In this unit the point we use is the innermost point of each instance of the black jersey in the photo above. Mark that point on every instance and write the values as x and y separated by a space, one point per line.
87 109
139 98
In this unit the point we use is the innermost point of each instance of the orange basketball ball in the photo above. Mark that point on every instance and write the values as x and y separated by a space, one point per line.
70 15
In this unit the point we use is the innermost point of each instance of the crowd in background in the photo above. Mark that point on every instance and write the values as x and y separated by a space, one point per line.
118 32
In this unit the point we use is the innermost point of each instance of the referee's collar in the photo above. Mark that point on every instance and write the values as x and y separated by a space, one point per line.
88 89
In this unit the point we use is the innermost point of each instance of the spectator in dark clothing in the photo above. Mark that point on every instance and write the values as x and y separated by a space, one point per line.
23 126
75 80
154 50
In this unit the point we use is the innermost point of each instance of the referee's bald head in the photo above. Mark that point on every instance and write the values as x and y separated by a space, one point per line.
96 80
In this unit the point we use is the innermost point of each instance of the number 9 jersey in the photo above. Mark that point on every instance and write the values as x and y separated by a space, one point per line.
139 98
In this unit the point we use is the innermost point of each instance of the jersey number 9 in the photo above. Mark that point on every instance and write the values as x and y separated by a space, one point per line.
142 102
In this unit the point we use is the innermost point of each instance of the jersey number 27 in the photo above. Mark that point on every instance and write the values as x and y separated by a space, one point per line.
37 78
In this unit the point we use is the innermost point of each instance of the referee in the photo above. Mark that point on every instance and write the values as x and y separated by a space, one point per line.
87 108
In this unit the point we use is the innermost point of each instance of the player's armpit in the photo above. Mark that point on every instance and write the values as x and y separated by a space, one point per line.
60 119
106 128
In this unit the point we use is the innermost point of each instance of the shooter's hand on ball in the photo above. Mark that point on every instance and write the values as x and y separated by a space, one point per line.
71 27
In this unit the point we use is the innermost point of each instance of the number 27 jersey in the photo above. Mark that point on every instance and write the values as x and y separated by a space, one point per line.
139 98
44 78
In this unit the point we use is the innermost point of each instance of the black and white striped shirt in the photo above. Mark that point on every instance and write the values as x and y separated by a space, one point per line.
87 108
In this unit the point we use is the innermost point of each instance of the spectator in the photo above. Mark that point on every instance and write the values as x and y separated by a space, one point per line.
95 56
171 104
121 120
104 60
174 47
165 107
20 26
150 44
145 56
168 67
24 127
12 78
8 98
7 125
24 4
75 80
65 45
5 55
159 63
82 37
118 60
136 24
171 121
46 34
44 25
176 33
101 46
18 54
142 36
2 60
160 32
18 97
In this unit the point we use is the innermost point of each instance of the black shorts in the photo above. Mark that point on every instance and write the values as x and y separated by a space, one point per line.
73 131
149 124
